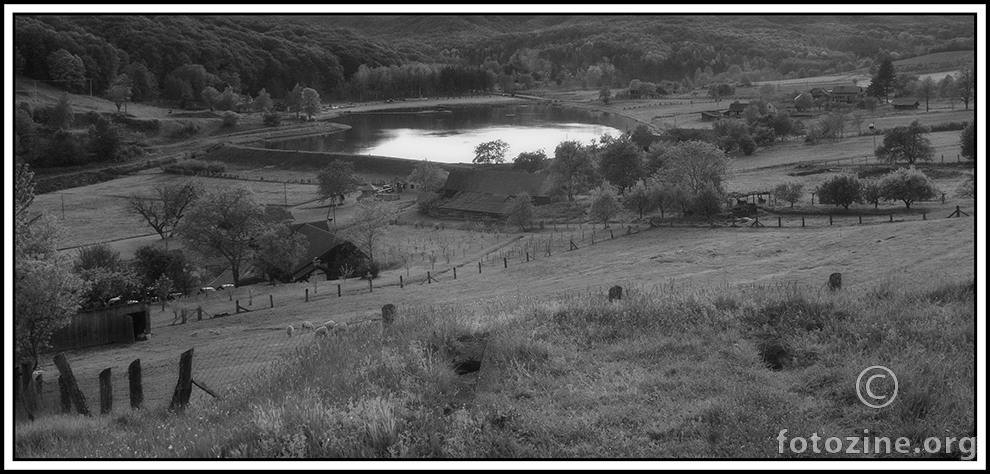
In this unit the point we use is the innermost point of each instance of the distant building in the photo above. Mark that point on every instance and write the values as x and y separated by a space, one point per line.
905 103
846 94
820 94
117 324
491 194
736 109
325 252
711 115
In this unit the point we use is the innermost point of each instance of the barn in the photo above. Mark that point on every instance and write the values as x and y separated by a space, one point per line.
905 103
325 252
489 194
116 324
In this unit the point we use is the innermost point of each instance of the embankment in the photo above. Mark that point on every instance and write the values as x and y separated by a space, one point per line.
251 157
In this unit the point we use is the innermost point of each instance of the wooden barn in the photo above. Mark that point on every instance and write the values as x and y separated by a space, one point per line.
325 252
117 324
483 193
905 103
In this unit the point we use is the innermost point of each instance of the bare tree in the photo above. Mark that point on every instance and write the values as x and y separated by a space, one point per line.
167 206
370 224
225 223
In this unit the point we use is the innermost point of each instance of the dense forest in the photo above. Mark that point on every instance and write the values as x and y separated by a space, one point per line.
175 57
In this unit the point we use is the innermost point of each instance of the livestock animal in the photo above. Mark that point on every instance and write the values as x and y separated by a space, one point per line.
289 330
321 332
114 300
308 325
614 293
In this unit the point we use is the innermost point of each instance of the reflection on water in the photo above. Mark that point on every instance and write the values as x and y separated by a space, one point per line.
451 137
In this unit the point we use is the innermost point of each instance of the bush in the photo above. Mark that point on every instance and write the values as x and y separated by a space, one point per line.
230 118
196 167
949 126
368 267
272 119
841 190
188 130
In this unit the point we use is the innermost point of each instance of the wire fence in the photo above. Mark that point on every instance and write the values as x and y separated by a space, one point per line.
220 364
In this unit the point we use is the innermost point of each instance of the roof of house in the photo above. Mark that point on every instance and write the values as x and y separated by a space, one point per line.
737 106
711 113
905 101
847 90
819 90
504 183
486 203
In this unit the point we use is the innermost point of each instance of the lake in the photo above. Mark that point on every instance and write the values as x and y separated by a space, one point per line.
451 136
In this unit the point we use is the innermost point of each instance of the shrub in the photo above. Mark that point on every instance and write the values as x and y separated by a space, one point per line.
272 119
196 167
230 119
188 130
948 126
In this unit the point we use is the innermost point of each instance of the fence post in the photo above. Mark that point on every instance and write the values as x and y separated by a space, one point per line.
78 399
778 221
924 216
860 219
183 388
802 221
611 234
307 295
134 383
505 261
479 268
829 219
271 301
237 307
64 393
527 256
106 392
455 273
183 316
371 288
338 290
400 282
429 279
891 218
199 313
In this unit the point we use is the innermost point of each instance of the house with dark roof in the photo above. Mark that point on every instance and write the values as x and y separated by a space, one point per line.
820 94
736 109
846 93
710 115
905 103
484 193
325 252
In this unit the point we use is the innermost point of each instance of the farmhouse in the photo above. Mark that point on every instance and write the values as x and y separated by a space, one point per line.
846 93
483 193
736 109
905 103
112 325
324 252
820 94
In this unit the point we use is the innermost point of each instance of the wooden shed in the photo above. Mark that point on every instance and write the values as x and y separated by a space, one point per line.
111 325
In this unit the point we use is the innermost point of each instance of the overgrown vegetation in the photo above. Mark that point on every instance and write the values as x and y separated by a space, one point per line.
665 372
193 166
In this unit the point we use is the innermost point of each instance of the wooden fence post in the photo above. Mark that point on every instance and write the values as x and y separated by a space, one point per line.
78 399
106 392
400 282
307 295
338 290
371 288
891 218
183 388
455 273
199 313
479 268
64 394
184 316
134 384
802 221
271 301
778 221
829 219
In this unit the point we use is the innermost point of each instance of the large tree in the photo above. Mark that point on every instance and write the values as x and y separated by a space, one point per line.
67 69
883 82
277 251
906 143
335 181
522 211
967 141
120 92
46 289
310 102
572 168
966 86
165 208
841 190
621 162
428 176
694 164
491 152
926 89
907 186
262 103
224 223
604 203
369 225
530 162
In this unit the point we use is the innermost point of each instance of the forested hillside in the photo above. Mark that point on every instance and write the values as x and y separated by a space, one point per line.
176 56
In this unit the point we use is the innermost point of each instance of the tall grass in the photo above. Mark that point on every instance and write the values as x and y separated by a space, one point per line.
667 372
